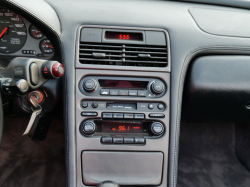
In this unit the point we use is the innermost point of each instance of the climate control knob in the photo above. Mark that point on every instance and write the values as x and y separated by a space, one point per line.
157 128
157 87
87 128
89 85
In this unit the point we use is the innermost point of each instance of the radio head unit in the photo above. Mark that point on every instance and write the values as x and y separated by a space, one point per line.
122 86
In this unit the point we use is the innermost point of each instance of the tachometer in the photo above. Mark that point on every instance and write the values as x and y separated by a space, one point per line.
13 32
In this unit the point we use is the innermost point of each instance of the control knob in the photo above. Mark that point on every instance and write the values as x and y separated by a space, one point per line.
87 128
89 85
157 87
157 128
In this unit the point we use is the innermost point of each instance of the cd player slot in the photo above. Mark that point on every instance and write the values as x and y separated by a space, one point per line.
121 106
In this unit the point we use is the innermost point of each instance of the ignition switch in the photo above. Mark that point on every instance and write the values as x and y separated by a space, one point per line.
38 95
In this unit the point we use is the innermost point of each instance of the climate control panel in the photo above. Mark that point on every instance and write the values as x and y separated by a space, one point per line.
122 86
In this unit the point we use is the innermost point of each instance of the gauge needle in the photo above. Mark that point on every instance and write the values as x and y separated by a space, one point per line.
5 29
48 45
36 32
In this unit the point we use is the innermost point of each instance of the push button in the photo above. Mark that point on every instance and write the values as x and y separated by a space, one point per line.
128 116
132 93
156 115
84 104
123 92
160 106
107 115
114 92
107 140
151 106
142 93
118 140
118 115
128 140
138 116
89 113
139 141
104 92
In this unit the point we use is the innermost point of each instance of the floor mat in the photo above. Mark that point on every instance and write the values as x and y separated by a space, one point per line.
207 157
25 163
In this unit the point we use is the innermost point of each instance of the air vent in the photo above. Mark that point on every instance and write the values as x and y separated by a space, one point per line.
123 55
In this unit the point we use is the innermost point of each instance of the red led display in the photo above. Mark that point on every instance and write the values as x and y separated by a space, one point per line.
123 36
122 127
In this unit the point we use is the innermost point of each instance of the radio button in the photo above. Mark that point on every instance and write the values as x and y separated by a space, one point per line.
95 105
150 106
156 115
104 92
128 140
123 92
84 104
107 115
138 116
160 106
118 115
128 116
132 93
139 141
117 140
114 92
89 113
141 93
106 140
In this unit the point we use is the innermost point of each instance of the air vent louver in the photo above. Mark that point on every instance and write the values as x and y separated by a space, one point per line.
123 55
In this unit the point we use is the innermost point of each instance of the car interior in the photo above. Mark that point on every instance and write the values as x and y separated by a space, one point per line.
112 93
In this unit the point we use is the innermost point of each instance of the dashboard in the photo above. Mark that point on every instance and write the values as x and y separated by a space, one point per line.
125 73
18 37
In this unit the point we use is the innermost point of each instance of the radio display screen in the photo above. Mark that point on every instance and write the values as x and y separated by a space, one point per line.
123 36
123 127
123 84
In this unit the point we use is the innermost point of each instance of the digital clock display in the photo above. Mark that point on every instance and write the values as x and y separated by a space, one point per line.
123 36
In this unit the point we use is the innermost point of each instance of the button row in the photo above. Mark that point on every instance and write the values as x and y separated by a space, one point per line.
31 52
110 140
139 93
122 116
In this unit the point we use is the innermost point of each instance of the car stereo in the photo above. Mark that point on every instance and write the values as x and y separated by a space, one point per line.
122 86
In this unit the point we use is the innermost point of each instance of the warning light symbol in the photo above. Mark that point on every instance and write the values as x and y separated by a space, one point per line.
45 70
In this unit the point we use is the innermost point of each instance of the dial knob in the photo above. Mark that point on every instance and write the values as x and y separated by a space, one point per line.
89 85
157 128
87 128
157 87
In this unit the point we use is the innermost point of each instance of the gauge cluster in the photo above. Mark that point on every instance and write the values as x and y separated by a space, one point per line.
18 37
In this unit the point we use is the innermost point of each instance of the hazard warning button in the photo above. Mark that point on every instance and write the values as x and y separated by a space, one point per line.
52 70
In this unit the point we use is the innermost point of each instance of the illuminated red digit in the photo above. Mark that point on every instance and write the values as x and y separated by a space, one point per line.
127 37
124 37
120 36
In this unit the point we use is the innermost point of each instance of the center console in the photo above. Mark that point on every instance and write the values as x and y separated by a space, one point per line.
122 105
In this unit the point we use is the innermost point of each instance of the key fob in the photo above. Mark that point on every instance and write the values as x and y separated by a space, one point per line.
40 127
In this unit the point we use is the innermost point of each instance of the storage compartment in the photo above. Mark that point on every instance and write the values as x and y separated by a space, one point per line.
217 88
124 168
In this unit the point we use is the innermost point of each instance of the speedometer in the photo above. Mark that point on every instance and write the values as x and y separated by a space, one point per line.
13 32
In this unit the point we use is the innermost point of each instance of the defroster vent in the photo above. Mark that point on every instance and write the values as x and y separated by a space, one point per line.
123 55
